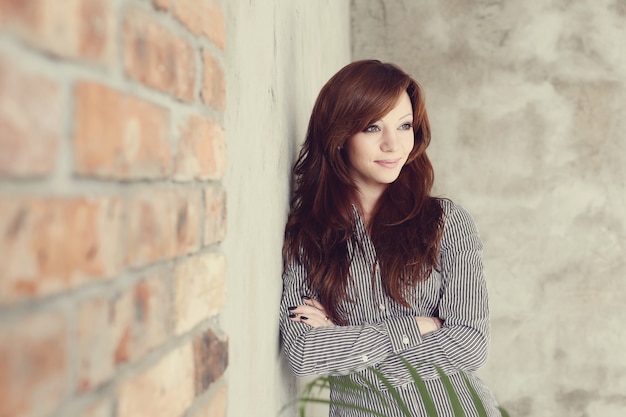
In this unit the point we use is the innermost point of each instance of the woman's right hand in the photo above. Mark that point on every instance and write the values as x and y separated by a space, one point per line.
428 324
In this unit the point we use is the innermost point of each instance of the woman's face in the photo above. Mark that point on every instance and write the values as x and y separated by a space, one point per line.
377 154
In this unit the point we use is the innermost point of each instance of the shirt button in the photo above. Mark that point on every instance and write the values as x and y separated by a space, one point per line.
364 358
405 339
381 306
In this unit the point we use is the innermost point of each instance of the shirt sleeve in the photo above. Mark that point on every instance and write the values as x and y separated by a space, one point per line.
338 349
462 343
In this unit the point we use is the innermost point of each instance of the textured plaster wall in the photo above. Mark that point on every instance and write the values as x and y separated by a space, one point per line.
527 101
278 57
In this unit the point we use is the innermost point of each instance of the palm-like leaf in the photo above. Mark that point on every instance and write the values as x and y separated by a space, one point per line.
455 402
480 407
312 391
393 392
429 404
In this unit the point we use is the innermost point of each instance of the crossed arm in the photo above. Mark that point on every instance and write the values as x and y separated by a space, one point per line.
456 339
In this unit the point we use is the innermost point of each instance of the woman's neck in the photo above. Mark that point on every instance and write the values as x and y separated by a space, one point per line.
367 204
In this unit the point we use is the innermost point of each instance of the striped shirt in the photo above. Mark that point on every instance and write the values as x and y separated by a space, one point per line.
380 331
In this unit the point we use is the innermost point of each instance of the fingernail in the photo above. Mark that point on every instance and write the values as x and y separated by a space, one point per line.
306 297
292 316
291 308
304 318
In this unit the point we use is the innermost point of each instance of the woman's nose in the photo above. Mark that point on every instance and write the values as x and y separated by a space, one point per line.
390 141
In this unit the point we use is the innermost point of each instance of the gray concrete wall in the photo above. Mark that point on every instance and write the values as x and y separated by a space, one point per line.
279 54
528 107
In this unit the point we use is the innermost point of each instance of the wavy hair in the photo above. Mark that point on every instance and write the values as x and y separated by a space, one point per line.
406 224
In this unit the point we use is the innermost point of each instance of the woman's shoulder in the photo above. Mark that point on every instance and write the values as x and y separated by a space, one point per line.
456 218
450 208
446 204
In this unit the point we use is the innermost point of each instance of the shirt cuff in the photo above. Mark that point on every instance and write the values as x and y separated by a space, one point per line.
404 333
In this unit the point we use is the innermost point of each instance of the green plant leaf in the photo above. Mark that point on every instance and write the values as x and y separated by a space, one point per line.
455 402
346 385
340 384
286 406
374 389
480 407
394 392
306 392
365 388
319 383
429 404
346 406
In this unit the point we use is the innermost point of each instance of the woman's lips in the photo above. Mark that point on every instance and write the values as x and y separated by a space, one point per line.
388 163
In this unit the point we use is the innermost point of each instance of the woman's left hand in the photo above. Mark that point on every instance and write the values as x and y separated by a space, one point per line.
311 312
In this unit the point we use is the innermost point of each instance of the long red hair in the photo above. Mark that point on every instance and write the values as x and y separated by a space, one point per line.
406 224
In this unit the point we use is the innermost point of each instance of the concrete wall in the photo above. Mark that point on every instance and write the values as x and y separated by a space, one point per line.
278 57
528 107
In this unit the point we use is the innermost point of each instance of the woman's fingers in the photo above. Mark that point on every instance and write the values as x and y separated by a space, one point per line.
315 321
310 315
306 310
311 320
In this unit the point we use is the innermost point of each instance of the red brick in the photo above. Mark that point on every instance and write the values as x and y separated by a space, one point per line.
215 214
31 111
119 136
213 83
74 28
201 150
162 224
214 406
199 289
94 343
211 359
149 304
34 371
166 389
122 328
161 4
50 245
203 17
158 58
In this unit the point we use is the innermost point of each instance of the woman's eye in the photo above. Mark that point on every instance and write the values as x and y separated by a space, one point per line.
406 126
371 128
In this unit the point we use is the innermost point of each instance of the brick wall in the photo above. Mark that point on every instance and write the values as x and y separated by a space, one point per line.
112 208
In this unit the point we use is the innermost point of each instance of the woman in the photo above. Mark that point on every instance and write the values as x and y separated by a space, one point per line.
376 269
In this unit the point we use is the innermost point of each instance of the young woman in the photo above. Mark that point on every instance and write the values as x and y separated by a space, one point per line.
376 269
